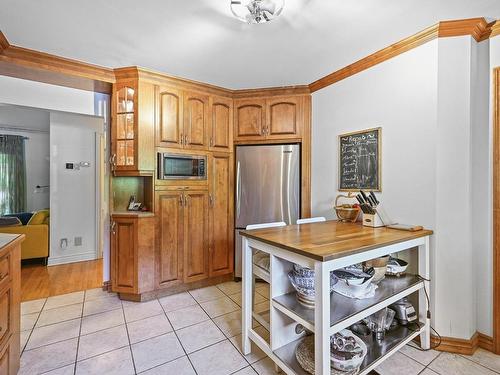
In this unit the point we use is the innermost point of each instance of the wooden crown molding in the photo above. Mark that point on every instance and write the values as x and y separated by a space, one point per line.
39 66
4 43
165 79
42 60
44 67
376 58
272 91
478 28
475 27
494 29
134 72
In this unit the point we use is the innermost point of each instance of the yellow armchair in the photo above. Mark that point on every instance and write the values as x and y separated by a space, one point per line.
36 243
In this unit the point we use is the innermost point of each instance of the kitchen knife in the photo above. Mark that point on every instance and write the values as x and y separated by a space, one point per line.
372 194
360 200
364 196
373 203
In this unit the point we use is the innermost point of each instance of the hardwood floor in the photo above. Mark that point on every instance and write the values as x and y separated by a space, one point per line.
38 281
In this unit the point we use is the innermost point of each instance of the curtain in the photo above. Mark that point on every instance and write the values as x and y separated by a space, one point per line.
12 174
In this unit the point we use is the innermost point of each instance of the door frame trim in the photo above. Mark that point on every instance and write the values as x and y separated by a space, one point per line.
496 210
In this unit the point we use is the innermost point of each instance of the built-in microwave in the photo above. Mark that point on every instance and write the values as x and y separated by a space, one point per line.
181 166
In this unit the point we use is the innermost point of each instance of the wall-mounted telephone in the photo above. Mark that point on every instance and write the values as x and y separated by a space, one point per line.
133 205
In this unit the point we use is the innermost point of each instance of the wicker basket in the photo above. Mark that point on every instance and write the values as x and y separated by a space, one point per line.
345 212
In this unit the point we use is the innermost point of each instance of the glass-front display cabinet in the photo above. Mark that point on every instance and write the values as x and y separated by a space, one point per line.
125 130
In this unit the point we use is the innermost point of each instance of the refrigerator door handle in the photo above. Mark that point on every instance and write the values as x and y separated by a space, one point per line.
238 189
287 217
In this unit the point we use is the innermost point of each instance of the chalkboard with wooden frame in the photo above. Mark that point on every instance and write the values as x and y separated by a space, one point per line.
360 160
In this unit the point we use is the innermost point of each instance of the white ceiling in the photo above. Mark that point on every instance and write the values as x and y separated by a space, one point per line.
200 40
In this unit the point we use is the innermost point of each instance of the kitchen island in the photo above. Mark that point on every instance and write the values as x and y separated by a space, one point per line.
325 247
10 302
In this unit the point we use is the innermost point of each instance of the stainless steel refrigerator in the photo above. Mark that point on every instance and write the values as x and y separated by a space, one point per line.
267 188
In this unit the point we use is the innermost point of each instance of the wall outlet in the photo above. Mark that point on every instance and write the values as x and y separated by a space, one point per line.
63 243
78 241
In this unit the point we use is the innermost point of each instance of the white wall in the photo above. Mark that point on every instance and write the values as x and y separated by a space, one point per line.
482 202
419 98
37 168
73 192
454 264
42 95
400 96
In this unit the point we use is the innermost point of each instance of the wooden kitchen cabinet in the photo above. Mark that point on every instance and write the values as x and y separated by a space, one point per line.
182 236
132 258
249 119
195 121
10 302
221 129
196 246
132 128
182 119
169 237
284 117
169 121
221 215
270 118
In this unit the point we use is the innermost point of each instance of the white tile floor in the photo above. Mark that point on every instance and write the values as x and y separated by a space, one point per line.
199 332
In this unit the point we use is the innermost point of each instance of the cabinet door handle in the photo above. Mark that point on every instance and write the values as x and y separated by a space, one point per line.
186 201
211 200
112 162
181 139
211 142
180 200
113 226
185 140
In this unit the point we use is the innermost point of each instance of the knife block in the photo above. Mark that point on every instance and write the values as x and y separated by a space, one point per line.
373 221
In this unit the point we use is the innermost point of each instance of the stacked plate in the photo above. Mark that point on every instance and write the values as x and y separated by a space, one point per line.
302 279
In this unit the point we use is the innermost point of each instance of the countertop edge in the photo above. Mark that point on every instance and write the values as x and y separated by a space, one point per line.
415 235
18 238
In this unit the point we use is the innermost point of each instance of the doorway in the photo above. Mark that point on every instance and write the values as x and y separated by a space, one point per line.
62 189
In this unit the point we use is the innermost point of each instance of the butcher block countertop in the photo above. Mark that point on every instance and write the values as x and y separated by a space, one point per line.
330 240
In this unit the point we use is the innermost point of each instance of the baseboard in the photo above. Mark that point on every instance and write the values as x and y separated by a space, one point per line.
463 346
81 257
459 346
486 342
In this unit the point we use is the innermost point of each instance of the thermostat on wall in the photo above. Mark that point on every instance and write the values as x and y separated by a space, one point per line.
70 166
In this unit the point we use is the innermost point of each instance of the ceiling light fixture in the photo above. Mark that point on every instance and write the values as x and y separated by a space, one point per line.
257 11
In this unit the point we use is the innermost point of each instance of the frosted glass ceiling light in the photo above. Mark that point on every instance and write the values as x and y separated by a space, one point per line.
257 11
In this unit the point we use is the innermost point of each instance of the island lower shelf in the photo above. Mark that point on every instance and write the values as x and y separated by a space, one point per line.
345 311
394 340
